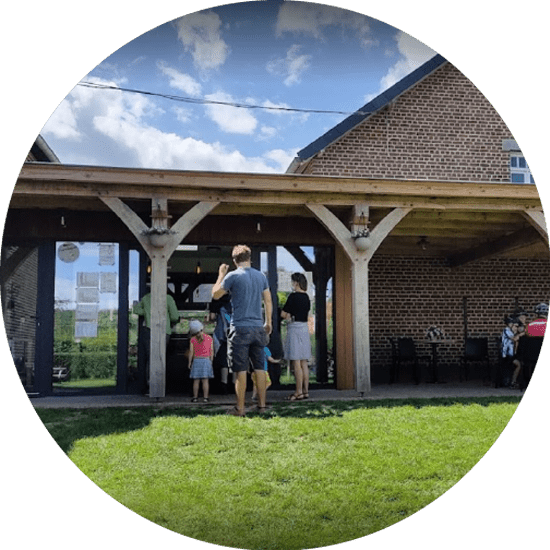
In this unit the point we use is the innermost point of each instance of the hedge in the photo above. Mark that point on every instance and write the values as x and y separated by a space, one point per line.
88 364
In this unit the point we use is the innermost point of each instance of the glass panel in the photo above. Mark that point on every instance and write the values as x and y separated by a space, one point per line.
517 178
86 314
522 163
513 162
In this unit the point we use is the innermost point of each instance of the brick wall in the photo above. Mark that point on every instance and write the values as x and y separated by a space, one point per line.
441 129
408 294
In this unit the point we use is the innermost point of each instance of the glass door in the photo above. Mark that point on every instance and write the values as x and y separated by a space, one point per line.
86 317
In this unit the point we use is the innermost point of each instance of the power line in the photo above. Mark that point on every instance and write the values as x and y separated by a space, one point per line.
202 101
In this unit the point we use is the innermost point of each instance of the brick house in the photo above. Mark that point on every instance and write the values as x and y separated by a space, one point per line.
435 125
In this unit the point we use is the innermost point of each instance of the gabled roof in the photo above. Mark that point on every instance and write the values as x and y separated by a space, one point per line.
42 152
370 108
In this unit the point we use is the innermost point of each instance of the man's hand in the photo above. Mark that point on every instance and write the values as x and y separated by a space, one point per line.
268 328
217 290
222 272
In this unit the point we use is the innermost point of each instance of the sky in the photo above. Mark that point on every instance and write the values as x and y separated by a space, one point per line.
267 55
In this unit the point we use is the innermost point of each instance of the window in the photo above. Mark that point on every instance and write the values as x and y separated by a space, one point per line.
519 170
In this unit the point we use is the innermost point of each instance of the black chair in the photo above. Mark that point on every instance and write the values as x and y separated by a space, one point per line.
476 350
404 351
528 353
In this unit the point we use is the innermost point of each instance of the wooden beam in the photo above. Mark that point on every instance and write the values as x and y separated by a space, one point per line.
384 228
299 255
536 219
32 192
87 177
507 243
134 223
336 228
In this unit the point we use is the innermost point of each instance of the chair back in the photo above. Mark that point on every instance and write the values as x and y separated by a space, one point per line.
476 349
406 348
530 348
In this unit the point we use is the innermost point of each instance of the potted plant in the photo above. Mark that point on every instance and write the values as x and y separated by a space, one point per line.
158 236
361 238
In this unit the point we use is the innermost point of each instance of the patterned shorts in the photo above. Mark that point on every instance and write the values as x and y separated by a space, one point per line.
245 345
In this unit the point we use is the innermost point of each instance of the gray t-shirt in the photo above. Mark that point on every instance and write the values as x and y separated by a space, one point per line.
246 286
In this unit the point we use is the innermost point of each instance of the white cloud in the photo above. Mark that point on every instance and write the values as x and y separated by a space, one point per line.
181 81
267 132
116 128
200 34
412 54
291 67
232 120
62 124
183 115
311 19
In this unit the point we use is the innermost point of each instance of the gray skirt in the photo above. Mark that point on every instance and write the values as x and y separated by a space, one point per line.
201 368
297 344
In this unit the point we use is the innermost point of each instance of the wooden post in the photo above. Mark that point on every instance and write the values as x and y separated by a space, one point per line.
159 270
361 340
360 278
157 359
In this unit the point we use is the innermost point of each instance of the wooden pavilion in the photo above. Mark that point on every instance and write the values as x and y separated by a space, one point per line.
156 210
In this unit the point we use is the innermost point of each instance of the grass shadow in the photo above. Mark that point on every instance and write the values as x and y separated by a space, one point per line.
68 425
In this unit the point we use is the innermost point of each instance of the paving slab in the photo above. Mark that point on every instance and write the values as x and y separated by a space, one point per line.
383 391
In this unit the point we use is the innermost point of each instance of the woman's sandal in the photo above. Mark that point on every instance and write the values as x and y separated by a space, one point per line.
305 396
236 412
205 400
295 397
194 400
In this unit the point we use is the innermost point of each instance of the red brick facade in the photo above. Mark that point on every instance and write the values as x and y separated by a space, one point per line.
441 129
409 294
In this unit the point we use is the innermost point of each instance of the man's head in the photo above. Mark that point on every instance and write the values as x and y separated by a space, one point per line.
542 310
241 254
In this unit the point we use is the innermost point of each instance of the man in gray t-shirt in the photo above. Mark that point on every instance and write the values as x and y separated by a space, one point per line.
248 333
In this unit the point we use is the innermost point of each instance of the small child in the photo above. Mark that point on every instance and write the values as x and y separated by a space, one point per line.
268 357
201 354
508 345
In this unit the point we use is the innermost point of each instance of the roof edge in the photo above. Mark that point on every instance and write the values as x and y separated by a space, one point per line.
373 106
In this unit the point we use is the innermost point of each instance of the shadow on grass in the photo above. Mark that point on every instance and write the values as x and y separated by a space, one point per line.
68 425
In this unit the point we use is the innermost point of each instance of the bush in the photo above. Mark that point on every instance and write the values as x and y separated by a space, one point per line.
88 365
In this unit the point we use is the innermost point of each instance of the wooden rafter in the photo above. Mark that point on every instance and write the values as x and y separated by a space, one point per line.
509 242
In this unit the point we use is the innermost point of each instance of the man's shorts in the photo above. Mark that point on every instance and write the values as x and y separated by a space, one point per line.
246 345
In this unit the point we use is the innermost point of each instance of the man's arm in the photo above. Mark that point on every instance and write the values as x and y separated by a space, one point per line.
217 290
172 309
268 305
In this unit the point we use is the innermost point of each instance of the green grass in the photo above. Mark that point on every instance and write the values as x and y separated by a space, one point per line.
306 475
87 383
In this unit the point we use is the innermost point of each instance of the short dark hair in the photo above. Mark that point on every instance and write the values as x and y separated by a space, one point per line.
241 253
299 278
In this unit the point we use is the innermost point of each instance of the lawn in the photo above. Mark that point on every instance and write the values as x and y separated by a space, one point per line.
306 475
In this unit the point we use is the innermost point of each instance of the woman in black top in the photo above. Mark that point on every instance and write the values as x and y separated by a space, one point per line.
298 343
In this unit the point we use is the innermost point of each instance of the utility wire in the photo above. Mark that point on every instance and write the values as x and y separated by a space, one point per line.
201 101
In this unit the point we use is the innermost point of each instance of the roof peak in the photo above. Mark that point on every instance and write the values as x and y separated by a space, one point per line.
373 106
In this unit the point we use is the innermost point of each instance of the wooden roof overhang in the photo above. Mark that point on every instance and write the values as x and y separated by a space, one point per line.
462 221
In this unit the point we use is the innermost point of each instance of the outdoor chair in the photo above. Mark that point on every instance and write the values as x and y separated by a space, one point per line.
528 352
404 351
476 350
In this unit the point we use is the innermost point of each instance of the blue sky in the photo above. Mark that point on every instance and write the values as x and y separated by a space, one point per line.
265 54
